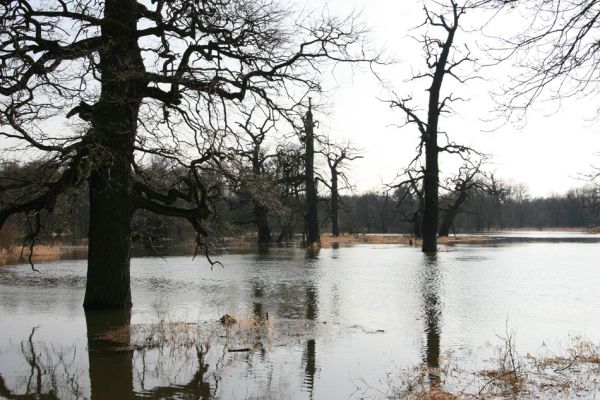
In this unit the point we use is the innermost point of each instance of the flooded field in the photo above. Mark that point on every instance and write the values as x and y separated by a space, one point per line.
342 323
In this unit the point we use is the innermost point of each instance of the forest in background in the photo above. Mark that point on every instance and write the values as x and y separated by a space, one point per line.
500 206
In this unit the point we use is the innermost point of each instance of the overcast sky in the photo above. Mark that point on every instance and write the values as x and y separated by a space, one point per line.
548 153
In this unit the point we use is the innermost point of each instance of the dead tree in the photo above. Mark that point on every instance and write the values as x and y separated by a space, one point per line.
337 157
144 78
443 60
258 184
470 177
289 178
312 218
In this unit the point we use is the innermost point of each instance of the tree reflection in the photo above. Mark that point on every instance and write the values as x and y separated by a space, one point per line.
312 299
51 375
257 295
111 358
55 372
110 354
196 388
430 287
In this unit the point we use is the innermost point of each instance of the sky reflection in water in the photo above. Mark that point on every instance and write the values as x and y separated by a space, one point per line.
346 317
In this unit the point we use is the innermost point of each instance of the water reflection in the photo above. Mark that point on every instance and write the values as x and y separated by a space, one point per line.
110 354
41 381
310 356
430 278
357 290
115 367
198 386
257 294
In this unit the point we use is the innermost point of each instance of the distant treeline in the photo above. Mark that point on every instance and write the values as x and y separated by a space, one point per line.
374 212
380 213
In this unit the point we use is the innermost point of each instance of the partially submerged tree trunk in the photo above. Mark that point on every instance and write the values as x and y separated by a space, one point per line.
261 212
431 185
335 217
338 156
114 126
432 171
312 219
109 242
439 61
261 218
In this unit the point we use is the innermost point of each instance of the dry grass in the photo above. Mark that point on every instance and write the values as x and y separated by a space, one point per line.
246 333
331 241
41 253
573 373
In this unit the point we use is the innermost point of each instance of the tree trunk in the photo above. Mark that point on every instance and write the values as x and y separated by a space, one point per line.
432 171
418 225
447 223
335 218
114 126
430 191
261 217
109 245
261 212
312 219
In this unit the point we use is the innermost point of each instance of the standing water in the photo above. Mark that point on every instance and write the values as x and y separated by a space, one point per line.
339 324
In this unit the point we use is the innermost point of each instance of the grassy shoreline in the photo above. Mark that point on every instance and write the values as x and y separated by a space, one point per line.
44 252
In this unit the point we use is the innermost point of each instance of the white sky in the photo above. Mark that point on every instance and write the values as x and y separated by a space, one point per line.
547 154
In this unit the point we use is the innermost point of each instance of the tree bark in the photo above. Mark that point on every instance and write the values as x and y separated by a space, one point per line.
312 219
335 218
114 126
430 189
261 212
108 281
261 216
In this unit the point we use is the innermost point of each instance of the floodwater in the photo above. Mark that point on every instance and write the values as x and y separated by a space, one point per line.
341 323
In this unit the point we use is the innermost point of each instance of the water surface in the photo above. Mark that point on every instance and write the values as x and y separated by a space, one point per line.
353 315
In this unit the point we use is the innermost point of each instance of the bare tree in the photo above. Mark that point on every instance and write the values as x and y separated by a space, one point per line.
410 190
258 185
152 78
469 178
443 60
289 173
337 157
312 218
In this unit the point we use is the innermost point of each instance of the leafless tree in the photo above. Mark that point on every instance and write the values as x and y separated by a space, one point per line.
338 156
443 60
410 190
289 173
313 235
255 175
470 177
